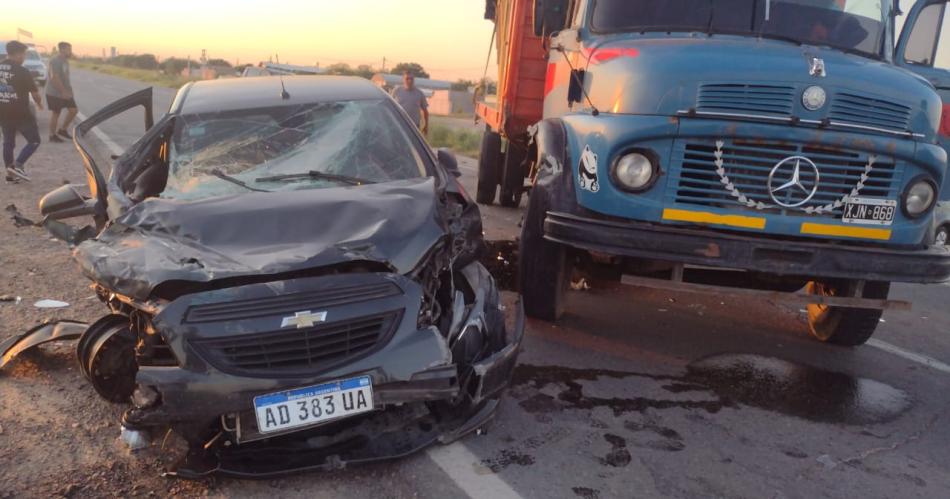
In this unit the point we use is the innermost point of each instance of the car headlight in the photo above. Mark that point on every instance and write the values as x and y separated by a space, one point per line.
634 171
919 197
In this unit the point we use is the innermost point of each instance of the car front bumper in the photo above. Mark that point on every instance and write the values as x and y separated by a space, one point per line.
728 251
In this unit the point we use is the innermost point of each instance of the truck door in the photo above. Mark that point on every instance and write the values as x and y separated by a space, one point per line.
924 48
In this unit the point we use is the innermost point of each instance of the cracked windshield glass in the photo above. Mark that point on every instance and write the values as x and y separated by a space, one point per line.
289 148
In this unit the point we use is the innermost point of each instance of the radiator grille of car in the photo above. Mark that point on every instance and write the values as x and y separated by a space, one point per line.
306 351
747 165
746 98
868 111
283 304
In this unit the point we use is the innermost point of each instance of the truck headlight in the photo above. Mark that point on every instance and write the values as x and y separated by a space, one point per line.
919 197
634 171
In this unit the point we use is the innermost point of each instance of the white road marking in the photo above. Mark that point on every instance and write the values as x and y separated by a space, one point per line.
911 356
458 463
103 137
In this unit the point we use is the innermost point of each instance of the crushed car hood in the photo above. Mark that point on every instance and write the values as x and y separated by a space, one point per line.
160 240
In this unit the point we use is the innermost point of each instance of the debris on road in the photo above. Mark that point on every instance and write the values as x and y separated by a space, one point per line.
10 299
50 304
18 219
44 333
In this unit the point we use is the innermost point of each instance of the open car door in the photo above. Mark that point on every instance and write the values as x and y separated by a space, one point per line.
68 201
924 48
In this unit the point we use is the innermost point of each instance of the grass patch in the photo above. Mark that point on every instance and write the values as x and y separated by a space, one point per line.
153 77
460 141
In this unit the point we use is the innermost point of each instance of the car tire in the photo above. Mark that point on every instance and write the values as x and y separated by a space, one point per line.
941 237
544 269
844 326
512 182
489 168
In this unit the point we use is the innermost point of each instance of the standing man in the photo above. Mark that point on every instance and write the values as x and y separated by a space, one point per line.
59 93
413 101
16 86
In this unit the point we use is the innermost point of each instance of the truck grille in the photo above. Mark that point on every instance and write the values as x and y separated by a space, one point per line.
283 304
306 351
745 98
869 111
747 164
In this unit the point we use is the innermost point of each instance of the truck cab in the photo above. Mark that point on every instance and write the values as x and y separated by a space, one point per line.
780 146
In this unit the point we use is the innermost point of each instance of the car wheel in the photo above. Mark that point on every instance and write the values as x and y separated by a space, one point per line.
844 326
512 183
489 168
544 269
941 239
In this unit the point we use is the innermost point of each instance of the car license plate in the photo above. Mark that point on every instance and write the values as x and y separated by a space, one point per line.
869 211
313 404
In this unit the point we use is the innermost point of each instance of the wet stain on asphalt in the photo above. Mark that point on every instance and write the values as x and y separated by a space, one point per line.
506 458
586 493
671 440
766 383
798 390
619 456
501 260
572 395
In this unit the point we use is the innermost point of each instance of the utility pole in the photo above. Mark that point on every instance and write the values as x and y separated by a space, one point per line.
384 64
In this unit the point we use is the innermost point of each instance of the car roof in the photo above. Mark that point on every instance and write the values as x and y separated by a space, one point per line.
230 94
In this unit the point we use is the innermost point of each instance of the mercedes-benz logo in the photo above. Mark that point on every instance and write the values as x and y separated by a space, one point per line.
796 189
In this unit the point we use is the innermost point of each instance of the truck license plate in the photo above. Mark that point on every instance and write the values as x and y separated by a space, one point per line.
869 211
313 404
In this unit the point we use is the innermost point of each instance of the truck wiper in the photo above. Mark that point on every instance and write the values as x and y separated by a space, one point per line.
313 174
224 176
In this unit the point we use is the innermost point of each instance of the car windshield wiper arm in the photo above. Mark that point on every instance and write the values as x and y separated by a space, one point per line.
224 176
316 175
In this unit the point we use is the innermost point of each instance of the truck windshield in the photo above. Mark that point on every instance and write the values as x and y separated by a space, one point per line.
850 25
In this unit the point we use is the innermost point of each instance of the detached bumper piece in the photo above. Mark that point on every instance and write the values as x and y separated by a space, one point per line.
46 333
773 256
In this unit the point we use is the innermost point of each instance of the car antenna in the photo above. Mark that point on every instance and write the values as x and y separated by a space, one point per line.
283 90
560 48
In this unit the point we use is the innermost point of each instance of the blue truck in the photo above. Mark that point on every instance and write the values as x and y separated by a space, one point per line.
789 147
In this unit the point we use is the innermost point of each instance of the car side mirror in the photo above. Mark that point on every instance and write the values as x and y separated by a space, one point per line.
66 202
550 16
447 160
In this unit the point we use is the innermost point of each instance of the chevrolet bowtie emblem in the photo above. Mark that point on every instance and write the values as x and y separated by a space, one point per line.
301 320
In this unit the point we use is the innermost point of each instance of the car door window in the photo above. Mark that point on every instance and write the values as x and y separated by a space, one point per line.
923 46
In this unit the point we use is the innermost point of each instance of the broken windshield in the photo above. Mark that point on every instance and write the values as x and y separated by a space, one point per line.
214 154
850 25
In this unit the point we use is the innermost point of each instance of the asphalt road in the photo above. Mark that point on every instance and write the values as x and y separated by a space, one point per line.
643 393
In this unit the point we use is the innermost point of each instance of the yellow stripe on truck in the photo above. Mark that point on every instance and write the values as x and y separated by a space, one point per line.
843 231
704 217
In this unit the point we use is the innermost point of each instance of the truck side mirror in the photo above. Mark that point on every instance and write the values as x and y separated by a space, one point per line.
550 16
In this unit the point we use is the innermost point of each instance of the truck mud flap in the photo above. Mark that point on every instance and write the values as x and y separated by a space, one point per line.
39 335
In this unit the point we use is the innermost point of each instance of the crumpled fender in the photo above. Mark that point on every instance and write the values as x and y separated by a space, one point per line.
45 333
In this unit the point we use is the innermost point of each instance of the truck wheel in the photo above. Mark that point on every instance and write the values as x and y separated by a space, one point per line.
512 183
843 325
544 269
489 168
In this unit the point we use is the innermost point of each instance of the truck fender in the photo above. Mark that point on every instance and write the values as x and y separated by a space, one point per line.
553 176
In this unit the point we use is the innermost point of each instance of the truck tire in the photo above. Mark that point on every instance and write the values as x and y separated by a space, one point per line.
512 182
844 326
544 270
489 168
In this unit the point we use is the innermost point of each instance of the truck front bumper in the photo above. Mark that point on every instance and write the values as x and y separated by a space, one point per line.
758 254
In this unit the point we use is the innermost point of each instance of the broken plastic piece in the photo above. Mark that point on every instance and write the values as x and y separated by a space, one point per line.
134 439
55 331
50 304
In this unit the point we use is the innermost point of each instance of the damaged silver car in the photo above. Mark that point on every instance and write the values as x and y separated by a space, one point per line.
291 277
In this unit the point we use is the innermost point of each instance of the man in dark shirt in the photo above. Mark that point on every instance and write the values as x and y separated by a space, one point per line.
16 86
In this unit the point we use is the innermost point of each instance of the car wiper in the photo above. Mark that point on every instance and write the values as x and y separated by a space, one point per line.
224 176
313 174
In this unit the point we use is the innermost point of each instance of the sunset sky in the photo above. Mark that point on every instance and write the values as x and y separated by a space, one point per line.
448 37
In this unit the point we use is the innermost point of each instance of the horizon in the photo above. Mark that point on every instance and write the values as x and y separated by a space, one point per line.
449 39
